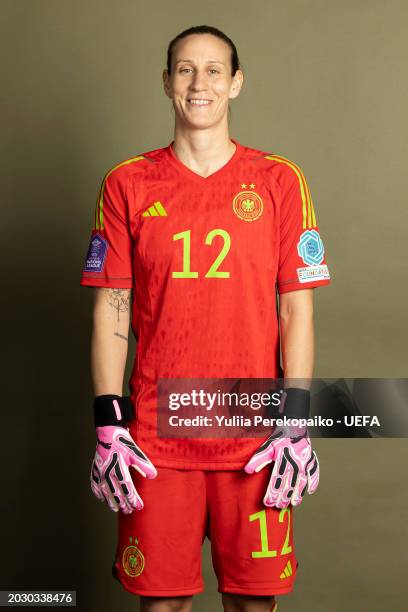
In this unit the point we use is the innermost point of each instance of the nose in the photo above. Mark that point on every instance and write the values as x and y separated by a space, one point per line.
199 81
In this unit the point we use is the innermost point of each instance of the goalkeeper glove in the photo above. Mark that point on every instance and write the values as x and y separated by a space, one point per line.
295 465
115 453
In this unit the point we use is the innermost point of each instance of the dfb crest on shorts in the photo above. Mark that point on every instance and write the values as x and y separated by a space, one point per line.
133 560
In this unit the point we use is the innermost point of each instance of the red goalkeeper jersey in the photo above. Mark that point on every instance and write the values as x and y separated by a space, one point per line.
205 258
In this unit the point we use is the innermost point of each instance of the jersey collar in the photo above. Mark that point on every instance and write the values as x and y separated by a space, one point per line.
182 168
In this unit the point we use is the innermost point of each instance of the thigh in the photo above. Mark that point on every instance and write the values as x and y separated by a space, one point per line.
159 547
252 546
252 603
160 604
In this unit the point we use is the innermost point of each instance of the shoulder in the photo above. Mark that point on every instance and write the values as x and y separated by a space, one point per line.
138 164
279 167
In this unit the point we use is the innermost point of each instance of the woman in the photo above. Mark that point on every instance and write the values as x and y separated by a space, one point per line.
202 232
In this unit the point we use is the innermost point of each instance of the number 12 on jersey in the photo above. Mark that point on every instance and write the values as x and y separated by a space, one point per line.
213 272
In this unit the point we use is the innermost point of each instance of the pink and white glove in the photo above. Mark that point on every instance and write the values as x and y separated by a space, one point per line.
295 469
295 465
116 452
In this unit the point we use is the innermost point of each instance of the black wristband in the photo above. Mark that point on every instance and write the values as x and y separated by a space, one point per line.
297 403
112 410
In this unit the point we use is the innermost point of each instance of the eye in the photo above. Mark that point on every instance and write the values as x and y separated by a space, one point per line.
214 71
184 70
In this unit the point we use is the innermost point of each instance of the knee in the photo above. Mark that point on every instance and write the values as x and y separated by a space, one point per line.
166 604
248 603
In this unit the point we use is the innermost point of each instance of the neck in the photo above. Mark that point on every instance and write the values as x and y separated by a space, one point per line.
203 151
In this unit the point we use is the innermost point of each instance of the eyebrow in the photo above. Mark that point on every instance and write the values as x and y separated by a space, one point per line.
192 61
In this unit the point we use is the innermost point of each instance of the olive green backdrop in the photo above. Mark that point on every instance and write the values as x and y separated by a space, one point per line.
325 86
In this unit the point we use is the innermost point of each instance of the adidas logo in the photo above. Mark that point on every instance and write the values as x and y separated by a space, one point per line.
287 571
155 210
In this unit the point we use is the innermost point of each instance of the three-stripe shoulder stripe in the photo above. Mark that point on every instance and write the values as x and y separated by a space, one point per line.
155 210
308 214
99 202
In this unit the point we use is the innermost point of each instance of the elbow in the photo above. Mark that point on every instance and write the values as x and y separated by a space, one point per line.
297 305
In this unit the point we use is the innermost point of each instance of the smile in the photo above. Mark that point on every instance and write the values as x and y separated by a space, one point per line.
197 102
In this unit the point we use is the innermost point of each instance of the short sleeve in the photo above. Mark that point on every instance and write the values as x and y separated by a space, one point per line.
108 262
302 262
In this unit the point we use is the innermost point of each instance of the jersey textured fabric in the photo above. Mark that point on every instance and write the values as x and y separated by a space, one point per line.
205 258
252 546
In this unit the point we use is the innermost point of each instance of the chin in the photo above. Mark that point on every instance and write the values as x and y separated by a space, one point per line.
197 125
203 124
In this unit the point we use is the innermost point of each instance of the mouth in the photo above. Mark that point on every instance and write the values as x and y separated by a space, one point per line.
198 102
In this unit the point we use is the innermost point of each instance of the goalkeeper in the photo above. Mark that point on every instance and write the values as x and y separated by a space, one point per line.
191 244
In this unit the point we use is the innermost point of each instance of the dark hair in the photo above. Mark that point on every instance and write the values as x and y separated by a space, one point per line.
204 29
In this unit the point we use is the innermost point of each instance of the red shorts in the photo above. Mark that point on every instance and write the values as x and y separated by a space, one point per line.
159 547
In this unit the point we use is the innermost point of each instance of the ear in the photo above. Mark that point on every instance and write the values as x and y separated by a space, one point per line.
166 84
236 85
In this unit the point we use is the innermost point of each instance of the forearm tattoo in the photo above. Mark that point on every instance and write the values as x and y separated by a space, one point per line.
120 336
119 299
